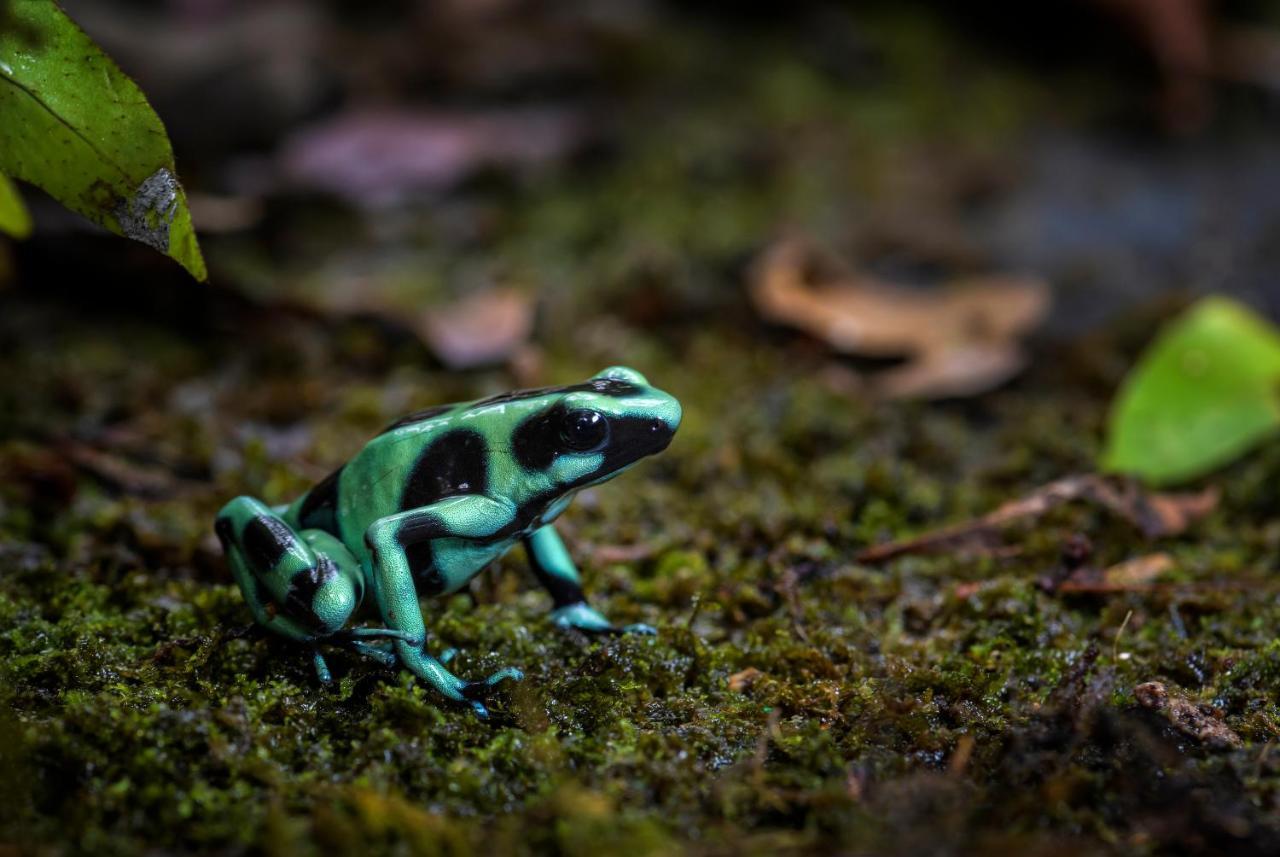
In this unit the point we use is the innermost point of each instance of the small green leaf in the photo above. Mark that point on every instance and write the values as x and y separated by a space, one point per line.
1204 393
72 123
14 218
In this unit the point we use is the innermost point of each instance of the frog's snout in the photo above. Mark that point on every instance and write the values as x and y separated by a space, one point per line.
666 420
660 435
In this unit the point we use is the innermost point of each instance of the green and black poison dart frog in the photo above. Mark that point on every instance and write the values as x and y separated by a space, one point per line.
431 501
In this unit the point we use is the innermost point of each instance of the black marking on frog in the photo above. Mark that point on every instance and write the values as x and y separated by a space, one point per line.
422 562
563 592
265 541
226 532
633 438
456 463
304 586
536 440
320 506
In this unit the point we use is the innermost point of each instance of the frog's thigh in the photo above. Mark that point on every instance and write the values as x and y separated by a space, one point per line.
302 584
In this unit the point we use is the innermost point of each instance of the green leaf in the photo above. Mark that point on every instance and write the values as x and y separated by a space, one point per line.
72 123
13 214
1205 392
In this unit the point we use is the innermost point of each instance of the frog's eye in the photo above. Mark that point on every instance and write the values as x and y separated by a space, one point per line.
584 430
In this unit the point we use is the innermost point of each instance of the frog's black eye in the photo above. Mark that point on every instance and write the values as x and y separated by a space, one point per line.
584 431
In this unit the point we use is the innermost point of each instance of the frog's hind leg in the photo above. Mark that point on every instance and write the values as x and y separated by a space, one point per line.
303 585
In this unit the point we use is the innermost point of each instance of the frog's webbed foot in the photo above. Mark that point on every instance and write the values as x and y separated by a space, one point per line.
384 652
555 570
475 693
583 617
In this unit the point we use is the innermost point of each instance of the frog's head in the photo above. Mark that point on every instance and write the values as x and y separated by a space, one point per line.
590 432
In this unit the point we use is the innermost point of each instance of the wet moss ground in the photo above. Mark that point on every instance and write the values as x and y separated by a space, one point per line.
794 700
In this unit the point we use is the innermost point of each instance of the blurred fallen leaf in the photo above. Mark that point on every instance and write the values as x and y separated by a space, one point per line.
1132 575
374 157
126 476
958 341
1195 720
481 329
606 554
742 681
1156 515
1138 571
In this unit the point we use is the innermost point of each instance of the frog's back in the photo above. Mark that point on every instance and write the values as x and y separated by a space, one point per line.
373 483
424 457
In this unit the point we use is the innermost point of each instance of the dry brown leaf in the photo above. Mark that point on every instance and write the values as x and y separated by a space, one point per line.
741 681
958 341
1139 571
1195 720
1134 575
1154 514
606 554
481 329
122 474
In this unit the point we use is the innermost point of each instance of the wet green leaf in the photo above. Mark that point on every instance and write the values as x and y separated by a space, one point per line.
14 218
1205 392
74 124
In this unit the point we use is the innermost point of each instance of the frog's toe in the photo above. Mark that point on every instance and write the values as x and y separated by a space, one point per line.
582 617
447 655
322 668
383 655
476 691
383 633
640 628
504 674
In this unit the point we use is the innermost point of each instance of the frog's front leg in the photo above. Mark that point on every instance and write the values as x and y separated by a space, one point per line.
468 517
555 570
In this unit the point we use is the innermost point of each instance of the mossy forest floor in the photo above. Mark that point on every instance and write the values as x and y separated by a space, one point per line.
794 700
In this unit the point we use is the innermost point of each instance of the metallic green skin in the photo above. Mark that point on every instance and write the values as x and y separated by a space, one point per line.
431 501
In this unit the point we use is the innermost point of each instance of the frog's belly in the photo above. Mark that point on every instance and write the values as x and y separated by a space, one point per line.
454 562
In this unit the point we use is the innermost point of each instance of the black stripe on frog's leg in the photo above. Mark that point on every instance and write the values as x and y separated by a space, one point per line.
319 510
456 463
265 541
225 531
303 588
563 592
422 564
